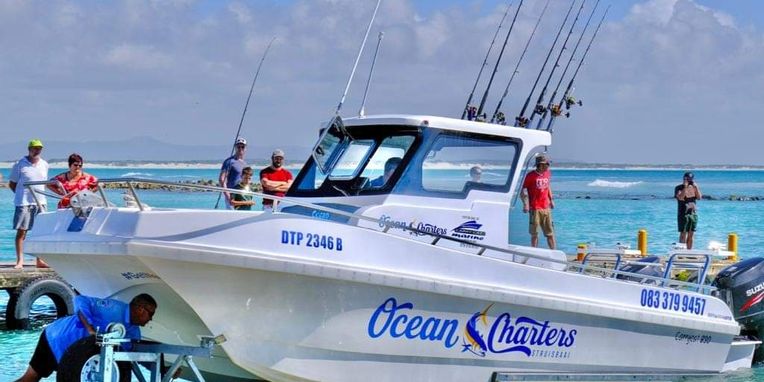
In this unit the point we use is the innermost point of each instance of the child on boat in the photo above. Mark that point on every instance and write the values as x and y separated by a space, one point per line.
241 201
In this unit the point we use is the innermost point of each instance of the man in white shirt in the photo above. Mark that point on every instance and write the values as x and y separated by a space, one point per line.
31 168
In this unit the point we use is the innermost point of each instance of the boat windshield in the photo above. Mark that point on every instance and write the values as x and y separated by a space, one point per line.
371 160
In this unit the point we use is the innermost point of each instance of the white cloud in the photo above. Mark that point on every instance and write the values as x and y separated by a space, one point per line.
668 71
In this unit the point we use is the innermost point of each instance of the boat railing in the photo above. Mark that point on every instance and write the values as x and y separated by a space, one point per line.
132 185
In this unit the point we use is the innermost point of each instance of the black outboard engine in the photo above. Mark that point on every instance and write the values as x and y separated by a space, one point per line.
741 285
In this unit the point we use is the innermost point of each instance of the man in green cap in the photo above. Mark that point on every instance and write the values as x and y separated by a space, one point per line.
30 168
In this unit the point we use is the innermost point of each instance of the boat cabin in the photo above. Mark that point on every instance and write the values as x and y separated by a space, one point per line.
440 175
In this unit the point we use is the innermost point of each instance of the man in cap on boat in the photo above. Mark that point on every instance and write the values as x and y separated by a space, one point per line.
687 195
230 172
275 179
92 315
476 173
30 168
536 195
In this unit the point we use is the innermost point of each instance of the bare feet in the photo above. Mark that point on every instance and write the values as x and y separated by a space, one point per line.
41 264
18 266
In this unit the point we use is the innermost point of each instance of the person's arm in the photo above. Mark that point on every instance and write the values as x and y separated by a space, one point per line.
83 307
680 193
697 191
551 199
223 180
13 178
524 198
270 185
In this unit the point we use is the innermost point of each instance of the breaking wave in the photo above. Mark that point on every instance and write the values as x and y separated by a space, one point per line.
612 184
135 174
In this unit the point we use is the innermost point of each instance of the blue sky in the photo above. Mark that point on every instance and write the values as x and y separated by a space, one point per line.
667 81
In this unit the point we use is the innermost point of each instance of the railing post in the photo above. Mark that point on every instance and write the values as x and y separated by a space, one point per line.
135 196
642 242
732 245
103 194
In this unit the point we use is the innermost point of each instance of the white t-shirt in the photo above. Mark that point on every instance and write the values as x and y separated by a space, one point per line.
24 171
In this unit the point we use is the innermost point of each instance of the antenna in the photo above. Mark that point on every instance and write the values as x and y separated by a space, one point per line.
355 65
362 111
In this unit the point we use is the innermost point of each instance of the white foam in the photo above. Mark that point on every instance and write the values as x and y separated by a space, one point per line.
612 184
135 174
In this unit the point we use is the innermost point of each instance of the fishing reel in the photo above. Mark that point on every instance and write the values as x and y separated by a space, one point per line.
556 110
570 101
500 118
471 112
521 121
539 109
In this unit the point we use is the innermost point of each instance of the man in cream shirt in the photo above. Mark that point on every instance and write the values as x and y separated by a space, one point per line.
30 168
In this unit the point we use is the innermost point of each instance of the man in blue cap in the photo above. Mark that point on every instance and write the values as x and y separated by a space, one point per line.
687 195
30 168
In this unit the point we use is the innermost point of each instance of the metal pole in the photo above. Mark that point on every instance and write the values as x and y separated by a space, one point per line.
362 111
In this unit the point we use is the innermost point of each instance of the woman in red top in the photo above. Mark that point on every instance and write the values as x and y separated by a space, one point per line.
73 181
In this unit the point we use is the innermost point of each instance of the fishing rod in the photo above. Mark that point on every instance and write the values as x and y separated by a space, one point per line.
562 76
362 111
520 120
498 60
358 57
566 96
506 89
538 109
246 104
485 61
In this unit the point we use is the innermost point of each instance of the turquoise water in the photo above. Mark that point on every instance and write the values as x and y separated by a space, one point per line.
599 206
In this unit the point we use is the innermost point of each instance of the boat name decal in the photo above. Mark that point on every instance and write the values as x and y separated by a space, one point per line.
311 240
668 300
692 338
139 275
425 228
482 334
469 230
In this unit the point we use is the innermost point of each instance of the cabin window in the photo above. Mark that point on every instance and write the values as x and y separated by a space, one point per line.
352 159
457 163
386 160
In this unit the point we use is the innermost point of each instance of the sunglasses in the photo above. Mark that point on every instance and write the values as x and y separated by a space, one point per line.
76 164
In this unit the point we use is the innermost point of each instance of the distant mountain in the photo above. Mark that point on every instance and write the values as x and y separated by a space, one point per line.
143 149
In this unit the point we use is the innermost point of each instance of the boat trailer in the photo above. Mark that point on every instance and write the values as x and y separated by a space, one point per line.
102 367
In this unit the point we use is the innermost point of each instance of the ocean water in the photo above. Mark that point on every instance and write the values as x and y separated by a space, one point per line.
596 206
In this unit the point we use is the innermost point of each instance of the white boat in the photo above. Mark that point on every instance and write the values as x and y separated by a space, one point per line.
407 278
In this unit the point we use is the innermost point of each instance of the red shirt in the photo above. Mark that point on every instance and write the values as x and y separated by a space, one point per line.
538 189
84 182
280 175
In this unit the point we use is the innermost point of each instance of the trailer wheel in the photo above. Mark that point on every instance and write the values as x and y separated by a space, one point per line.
22 298
81 362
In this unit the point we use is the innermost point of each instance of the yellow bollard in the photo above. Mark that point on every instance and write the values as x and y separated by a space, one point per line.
732 245
642 241
581 252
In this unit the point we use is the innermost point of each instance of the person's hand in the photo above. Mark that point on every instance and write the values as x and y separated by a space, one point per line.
525 209
551 204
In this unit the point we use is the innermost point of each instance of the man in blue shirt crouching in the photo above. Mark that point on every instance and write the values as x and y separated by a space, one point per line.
92 315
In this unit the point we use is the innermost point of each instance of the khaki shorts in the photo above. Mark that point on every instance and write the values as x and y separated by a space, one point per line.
541 218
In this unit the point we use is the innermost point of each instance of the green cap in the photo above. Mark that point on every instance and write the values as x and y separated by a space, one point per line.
35 143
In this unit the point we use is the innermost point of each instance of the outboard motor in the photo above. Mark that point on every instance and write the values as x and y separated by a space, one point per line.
741 285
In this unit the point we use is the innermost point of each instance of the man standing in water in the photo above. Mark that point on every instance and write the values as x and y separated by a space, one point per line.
538 201
31 168
275 179
687 195
230 173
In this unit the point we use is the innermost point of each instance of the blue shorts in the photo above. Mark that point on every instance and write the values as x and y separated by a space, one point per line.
23 217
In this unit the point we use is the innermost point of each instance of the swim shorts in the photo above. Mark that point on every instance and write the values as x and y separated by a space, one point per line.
23 217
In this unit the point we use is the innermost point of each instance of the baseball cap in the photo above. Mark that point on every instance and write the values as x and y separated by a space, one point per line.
278 153
240 141
542 159
35 143
689 175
